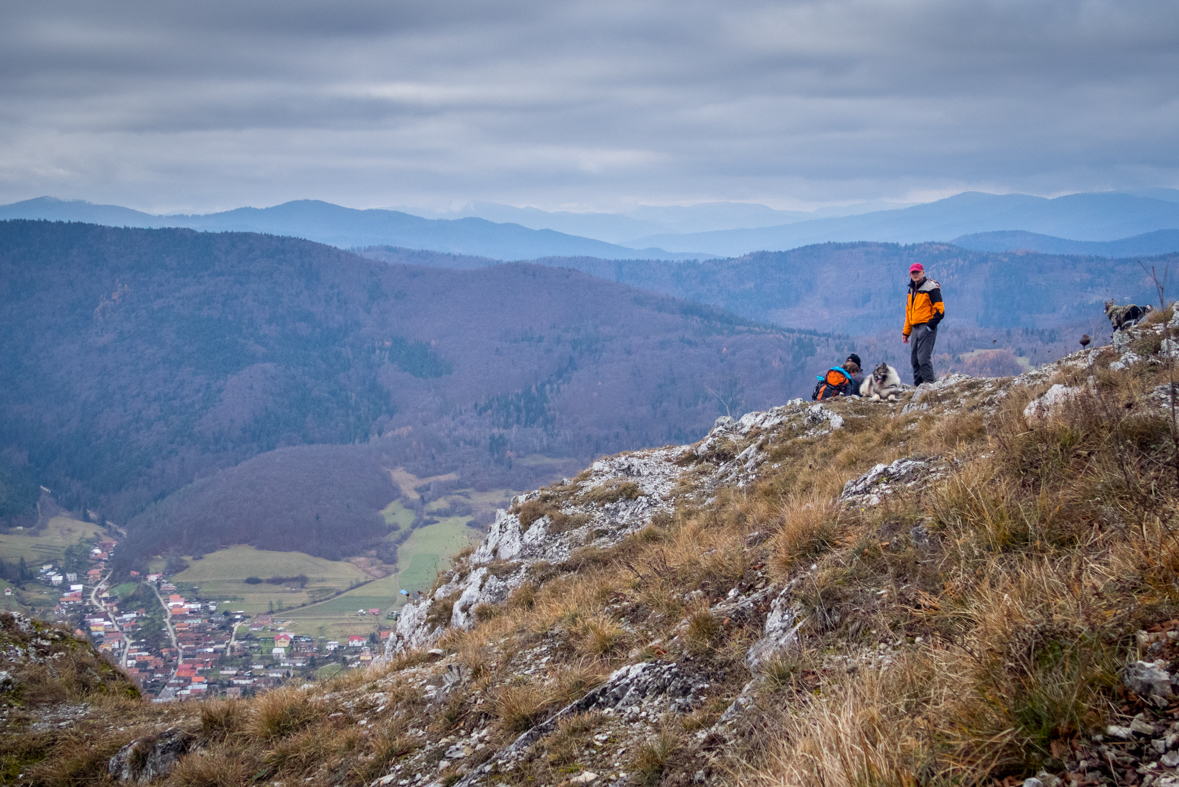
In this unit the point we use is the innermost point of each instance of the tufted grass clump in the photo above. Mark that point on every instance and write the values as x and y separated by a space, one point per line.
654 756
601 635
282 712
520 706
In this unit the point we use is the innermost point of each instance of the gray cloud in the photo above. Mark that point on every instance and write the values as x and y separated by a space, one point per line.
591 104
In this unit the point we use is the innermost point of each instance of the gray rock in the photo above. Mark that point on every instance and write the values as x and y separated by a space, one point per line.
1050 403
1048 780
1170 759
781 631
817 414
883 480
1147 680
1141 726
145 760
1032 781
1121 733
1126 361
627 690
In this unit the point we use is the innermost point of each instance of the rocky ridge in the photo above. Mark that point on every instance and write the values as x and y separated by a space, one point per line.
614 498
671 674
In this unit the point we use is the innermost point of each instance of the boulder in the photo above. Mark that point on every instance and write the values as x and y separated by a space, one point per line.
1148 679
145 760
1050 403
781 631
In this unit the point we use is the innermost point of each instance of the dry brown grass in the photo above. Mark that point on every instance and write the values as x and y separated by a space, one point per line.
807 527
702 631
219 767
610 492
601 635
221 719
520 706
654 756
282 712
871 729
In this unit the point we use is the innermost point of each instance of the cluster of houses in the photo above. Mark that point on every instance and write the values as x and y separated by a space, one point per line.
194 652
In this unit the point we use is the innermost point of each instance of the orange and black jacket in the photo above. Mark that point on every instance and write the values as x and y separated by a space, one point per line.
924 305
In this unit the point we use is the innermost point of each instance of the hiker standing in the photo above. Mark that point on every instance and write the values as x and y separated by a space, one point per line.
923 311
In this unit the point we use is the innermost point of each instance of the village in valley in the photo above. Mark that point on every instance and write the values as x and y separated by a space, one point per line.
178 646
200 626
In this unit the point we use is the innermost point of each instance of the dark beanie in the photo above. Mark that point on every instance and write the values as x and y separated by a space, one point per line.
856 358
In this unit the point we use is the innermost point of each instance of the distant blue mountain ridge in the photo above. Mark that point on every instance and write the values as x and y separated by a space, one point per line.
1148 244
343 227
1119 223
1086 217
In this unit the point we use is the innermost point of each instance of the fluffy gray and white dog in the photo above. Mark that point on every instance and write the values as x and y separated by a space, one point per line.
1125 316
883 383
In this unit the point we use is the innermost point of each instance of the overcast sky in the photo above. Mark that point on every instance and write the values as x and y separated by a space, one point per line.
576 105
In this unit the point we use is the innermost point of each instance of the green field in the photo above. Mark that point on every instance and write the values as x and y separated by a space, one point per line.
47 545
221 577
418 561
35 599
397 514
125 589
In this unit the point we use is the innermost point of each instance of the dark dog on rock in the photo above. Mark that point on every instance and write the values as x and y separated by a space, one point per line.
1125 316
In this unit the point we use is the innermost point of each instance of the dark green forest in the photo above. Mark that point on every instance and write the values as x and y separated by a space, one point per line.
143 369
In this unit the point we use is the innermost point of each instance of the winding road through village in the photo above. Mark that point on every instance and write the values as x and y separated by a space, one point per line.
171 636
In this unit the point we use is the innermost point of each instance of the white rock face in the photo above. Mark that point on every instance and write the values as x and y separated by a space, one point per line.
781 631
1128 359
883 480
1051 402
657 473
504 540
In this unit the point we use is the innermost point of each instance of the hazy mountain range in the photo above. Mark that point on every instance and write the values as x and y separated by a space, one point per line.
345 228
1127 223
1086 217
855 288
623 227
1148 244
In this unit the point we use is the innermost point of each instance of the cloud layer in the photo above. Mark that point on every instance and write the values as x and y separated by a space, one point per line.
583 104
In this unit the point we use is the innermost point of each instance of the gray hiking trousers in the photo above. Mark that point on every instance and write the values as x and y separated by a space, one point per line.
921 340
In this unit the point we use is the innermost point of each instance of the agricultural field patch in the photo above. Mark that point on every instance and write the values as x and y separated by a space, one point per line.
419 559
397 514
125 589
46 544
221 576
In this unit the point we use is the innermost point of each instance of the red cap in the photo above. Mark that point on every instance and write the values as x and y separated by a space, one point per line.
916 267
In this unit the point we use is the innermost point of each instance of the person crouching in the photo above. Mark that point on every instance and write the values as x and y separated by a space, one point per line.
839 380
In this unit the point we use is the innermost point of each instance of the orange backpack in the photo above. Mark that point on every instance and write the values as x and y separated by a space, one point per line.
836 382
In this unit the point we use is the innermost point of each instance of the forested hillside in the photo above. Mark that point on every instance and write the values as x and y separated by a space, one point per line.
137 361
855 288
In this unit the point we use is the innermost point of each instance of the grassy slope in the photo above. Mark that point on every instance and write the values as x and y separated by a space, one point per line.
46 545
